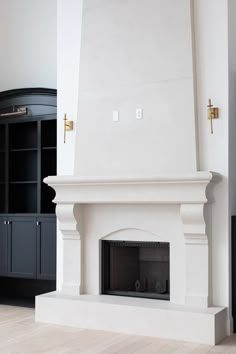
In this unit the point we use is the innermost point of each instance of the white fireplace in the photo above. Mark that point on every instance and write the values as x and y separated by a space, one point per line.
138 180
158 209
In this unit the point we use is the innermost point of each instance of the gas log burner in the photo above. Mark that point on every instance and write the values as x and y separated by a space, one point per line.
138 269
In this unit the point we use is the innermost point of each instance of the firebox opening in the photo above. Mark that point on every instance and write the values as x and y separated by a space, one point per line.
138 269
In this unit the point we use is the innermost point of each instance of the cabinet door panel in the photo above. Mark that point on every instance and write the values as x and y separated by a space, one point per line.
22 248
3 247
46 248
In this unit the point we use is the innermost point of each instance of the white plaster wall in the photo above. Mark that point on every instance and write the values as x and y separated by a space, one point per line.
134 54
28 44
232 119
232 106
69 14
68 53
211 34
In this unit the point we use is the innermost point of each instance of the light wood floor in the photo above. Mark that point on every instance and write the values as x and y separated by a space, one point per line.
19 334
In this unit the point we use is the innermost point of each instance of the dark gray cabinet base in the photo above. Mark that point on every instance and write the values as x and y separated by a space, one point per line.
22 292
28 247
3 246
22 247
46 248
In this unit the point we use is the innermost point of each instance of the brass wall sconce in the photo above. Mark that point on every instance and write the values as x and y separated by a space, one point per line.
213 113
68 125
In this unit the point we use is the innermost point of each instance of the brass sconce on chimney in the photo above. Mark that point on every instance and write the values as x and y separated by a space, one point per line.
213 113
68 125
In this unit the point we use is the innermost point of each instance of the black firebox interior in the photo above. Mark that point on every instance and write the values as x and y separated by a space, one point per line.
138 269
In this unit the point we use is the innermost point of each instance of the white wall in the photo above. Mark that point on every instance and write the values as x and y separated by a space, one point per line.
232 117
68 54
136 55
69 14
28 44
211 34
232 106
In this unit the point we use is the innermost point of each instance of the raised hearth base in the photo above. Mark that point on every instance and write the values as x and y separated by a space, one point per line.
155 318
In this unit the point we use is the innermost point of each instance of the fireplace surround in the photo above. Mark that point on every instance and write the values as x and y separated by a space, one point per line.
169 209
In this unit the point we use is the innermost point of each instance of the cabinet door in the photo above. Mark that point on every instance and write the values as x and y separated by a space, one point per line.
3 246
22 247
3 167
46 248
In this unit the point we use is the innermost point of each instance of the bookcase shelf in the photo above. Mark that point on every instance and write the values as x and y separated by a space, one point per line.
23 150
23 182
2 166
48 134
2 199
28 154
23 198
49 148
23 165
23 135
2 138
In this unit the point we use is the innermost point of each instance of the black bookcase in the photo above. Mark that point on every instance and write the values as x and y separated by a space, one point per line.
27 155
27 214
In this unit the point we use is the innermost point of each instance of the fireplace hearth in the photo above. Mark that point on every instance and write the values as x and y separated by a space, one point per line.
136 269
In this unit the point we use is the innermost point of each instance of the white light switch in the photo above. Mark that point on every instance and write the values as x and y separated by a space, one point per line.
139 113
115 116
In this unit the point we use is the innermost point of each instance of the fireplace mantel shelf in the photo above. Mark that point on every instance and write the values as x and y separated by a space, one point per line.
161 189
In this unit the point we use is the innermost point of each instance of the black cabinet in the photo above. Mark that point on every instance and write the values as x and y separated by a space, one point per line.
22 247
28 247
27 213
46 248
3 247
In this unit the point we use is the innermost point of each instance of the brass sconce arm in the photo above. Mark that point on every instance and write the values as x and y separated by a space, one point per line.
68 125
213 113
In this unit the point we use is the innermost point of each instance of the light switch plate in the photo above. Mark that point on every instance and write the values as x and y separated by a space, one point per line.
115 116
